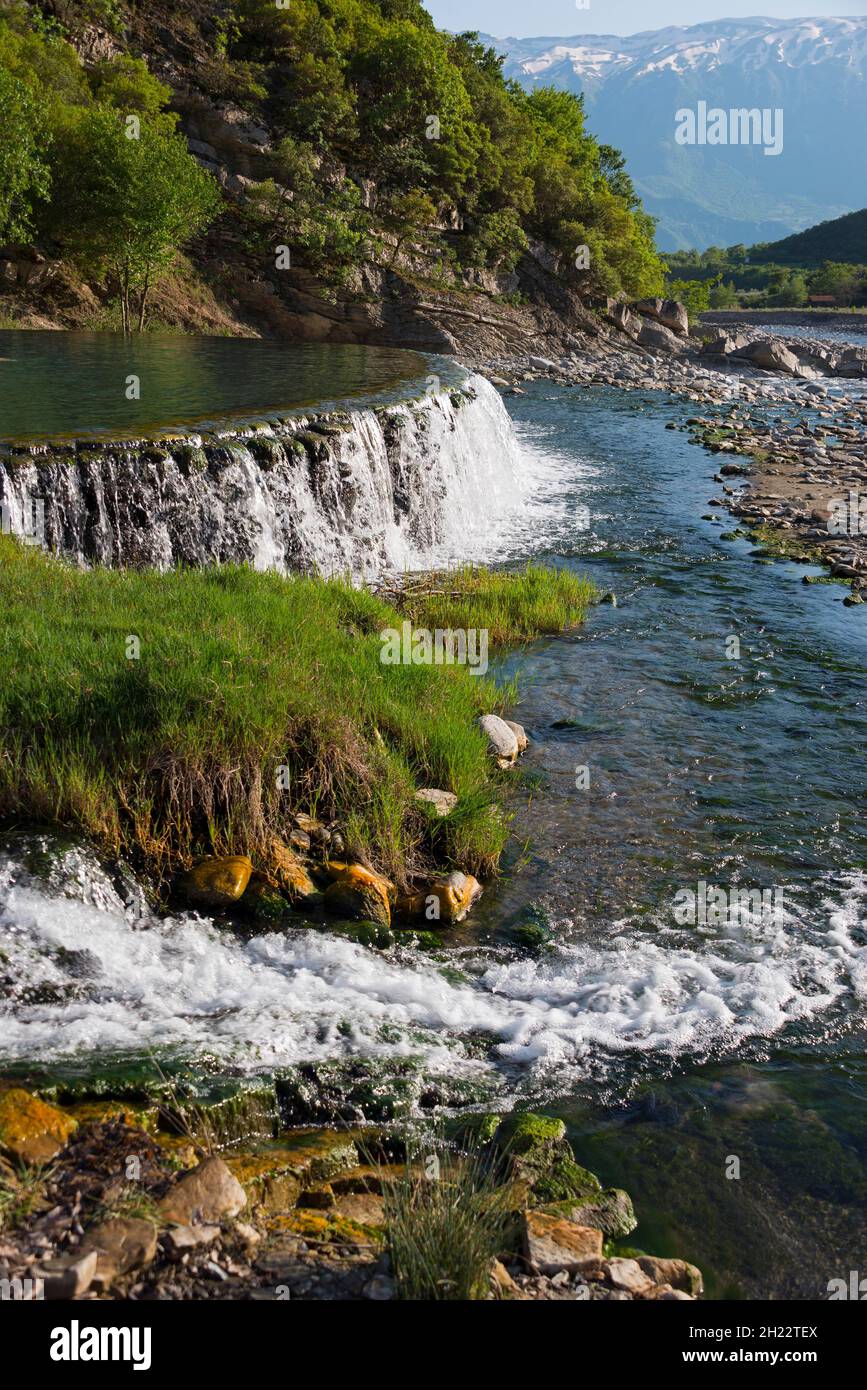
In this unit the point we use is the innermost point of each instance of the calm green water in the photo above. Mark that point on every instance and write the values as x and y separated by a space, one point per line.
73 384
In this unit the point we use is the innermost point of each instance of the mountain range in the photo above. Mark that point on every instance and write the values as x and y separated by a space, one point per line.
812 70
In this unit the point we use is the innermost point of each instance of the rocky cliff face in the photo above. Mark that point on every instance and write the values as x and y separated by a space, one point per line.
221 285
357 492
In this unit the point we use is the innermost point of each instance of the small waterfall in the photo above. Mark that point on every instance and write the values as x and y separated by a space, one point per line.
362 492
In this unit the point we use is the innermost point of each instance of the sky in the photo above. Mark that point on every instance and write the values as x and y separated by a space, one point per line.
562 18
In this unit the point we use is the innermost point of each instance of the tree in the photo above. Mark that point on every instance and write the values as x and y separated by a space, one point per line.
128 196
498 239
695 294
408 213
24 173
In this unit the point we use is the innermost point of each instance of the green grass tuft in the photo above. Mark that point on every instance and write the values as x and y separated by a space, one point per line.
241 673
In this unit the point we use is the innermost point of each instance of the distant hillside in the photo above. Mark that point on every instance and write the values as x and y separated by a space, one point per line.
842 239
703 195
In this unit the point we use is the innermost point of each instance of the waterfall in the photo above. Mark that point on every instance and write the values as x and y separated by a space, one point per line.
400 487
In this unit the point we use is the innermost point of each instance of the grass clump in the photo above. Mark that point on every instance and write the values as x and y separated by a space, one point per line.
193 712
446 1222
22 1195
512 606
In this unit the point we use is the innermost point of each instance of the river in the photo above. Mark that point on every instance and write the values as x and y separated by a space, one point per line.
718 1071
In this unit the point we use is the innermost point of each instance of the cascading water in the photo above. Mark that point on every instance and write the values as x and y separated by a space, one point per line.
395 488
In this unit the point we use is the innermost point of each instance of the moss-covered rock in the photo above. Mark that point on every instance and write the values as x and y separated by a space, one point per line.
473 1130
533 1149
270 1179
264 904
370 934
284 869
610 1211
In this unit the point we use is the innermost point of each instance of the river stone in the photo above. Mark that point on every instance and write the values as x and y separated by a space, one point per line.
610 1211
455 896
364 1208
180 1240
520 734
218 882
668 312
502 740
121 1244
442 802
204 1196
68 1276
288 872
360 894
773 356
552 1244
677 1273
534 1151
659 339
629 1276
32 1131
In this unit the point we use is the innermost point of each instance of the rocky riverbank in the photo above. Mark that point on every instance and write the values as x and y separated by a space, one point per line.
796 409
108 1200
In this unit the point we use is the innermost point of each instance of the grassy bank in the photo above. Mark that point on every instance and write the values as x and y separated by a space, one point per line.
176 752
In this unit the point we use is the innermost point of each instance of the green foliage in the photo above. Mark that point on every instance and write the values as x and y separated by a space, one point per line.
695 294
844 239
498 239
446 1222
360 90
408 213
126 196
92 160
325 222
425 113
24 175
828 259
126 84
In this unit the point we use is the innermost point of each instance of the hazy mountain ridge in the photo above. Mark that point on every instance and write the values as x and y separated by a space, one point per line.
813 69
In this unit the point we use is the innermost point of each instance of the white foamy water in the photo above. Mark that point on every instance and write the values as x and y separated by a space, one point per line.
84 976
432 480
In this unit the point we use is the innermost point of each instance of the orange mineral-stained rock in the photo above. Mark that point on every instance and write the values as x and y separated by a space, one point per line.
455 895
288 872
361 894
218 881
30 1130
